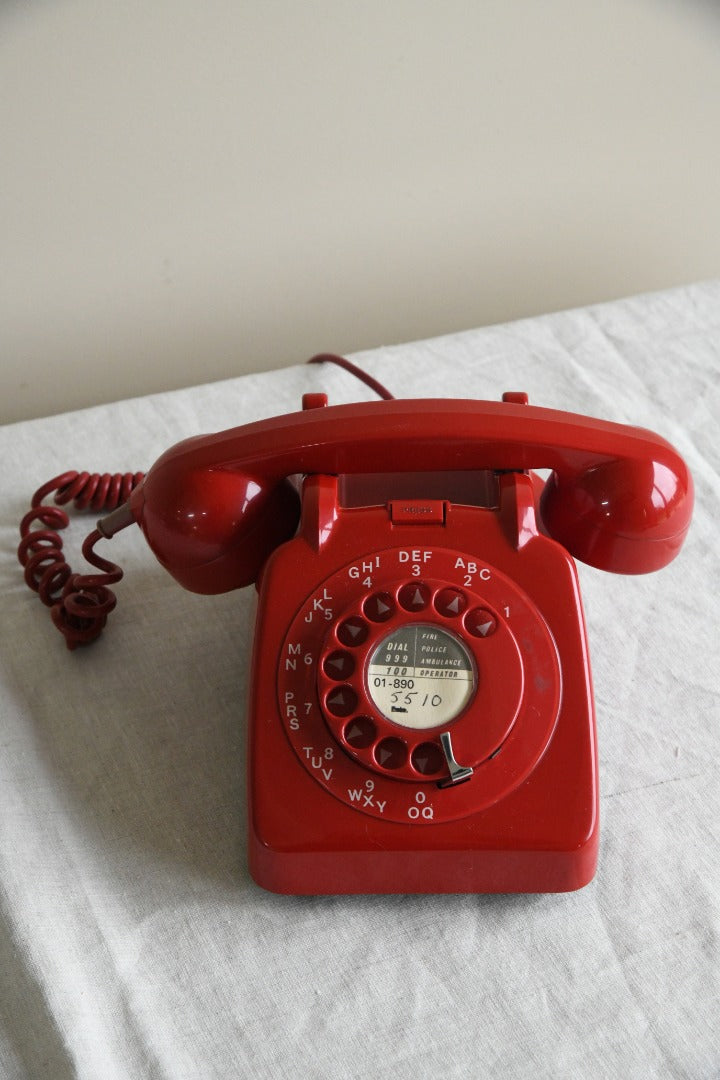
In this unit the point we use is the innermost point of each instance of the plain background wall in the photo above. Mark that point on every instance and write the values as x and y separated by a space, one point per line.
194 190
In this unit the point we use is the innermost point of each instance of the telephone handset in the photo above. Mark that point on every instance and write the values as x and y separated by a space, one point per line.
213 507
421 715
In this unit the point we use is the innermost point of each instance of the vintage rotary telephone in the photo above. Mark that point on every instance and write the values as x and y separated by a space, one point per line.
421 713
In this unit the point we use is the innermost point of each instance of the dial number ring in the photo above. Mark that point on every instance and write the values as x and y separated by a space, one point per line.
351 748
416 674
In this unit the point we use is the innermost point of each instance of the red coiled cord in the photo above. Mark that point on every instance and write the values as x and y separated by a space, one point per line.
79 603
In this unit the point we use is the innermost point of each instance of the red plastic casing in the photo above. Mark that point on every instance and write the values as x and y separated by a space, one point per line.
344 795
306 832
213 507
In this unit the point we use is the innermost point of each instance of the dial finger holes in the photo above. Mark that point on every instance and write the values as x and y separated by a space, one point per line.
379 607
450 602
352 631
480 622
360 732
428 759
391 753
342 701
414 596
339 665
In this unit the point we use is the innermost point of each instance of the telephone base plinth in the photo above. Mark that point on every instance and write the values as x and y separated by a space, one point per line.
439 872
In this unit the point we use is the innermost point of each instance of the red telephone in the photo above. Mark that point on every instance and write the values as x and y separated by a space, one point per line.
421 713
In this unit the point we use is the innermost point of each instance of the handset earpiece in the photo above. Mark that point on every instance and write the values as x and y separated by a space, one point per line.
626 515
214 528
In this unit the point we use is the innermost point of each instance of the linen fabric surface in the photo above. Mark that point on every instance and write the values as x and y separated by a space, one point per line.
133 942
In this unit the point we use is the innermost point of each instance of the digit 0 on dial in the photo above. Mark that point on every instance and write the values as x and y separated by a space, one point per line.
403 660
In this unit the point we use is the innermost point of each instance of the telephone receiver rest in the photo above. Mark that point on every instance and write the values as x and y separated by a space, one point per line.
214 507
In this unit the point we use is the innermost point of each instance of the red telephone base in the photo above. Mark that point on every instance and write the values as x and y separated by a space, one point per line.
421 704
543 840
388 872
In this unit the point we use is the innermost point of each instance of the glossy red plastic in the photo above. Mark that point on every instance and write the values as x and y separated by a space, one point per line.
422 529
619 498
344 800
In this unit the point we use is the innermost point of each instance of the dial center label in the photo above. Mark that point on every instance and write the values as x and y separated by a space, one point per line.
421 676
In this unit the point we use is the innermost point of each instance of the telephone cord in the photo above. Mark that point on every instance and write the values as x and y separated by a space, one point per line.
347 365
79 603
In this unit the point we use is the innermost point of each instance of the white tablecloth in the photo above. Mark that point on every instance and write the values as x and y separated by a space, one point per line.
133 942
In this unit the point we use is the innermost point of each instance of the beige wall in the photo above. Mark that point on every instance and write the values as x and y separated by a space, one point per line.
194 190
